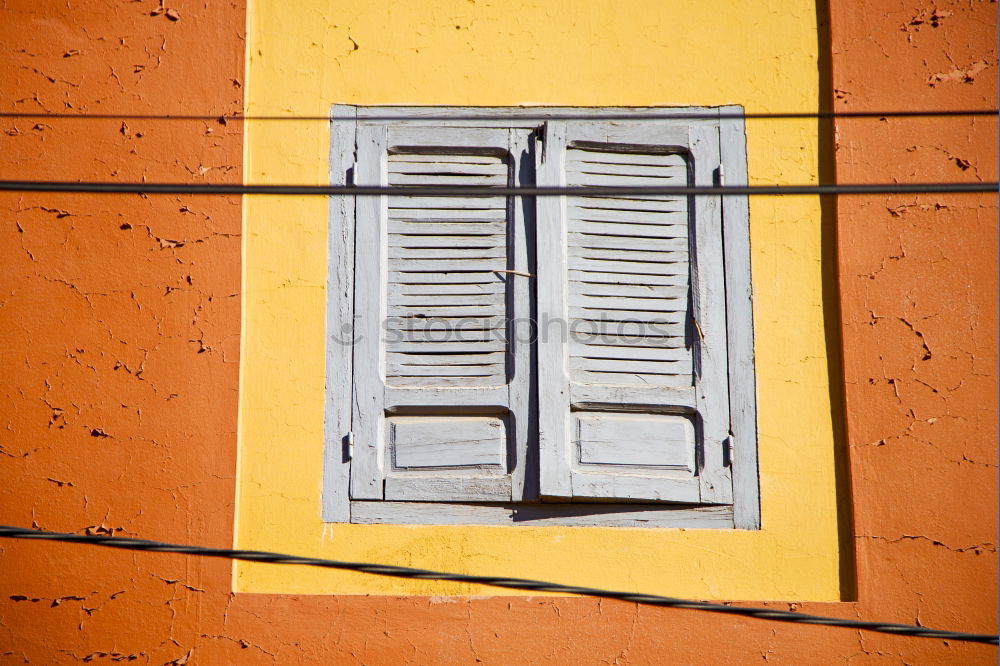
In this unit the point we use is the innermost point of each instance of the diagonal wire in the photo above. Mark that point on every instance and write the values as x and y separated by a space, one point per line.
482 191
495 581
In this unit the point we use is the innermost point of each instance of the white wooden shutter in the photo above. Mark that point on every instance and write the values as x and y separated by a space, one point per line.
634 404
435 387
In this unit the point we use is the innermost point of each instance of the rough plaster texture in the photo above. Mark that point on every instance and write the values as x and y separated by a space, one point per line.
120 326
918 278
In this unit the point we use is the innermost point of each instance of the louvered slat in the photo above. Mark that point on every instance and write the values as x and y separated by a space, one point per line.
629 272
447 294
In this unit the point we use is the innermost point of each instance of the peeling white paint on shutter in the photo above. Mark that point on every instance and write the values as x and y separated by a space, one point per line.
439 409
447 292
631 408
639 393
628 271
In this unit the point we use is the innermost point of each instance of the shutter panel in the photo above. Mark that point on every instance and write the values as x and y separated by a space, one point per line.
434 385
640 385
447 302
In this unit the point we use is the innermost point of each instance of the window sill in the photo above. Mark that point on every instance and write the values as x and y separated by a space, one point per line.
543 515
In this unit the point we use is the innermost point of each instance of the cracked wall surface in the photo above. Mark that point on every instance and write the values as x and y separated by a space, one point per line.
918 283
119 352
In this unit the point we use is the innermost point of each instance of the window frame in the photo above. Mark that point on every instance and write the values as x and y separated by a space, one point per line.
743 513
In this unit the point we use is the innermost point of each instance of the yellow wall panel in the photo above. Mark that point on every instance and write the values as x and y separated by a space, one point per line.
305 55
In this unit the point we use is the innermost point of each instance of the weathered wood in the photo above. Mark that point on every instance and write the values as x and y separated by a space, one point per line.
671 304
621 232
442 158
555 474
448 164
422 311
594 350
339 322
470 342
401 289
606 159
641 366
370 280
482 249
632 141
647 399
430 442
433 300
444 370
441 399
596 179
647 280
648 202
484 202
628 243
612 486
653 342
522 396
657 258
544 515
626 379
444 240
584 327
637 213
448 489
636 229
457 359
655 168
462 265
709 304
433 179
739 312
638 440
617 290
619 452
456 277
624 265
619 314
432 332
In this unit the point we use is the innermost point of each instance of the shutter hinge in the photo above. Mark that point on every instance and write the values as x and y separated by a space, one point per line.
727 451
720 176
349 446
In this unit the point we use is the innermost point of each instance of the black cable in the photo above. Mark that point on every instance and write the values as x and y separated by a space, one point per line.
495 581
469 191
527 114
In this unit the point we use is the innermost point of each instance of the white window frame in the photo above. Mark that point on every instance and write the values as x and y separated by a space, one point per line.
338 506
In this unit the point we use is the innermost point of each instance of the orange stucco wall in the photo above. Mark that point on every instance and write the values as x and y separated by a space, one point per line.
119 342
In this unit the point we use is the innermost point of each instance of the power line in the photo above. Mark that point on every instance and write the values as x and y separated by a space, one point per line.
495 581
481 191
527 113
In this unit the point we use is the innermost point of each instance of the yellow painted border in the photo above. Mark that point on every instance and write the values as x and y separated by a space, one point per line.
304 55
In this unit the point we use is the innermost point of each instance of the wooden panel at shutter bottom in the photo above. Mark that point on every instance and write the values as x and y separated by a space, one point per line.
634 456
448 458
635 440
447 441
